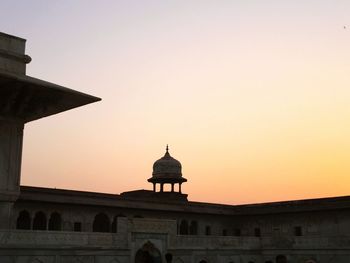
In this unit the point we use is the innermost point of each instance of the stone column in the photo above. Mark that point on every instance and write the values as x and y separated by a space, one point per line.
11 137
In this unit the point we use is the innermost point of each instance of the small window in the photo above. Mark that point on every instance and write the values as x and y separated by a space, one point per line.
298 231
224 232
207 230
237 232
77 226
257 232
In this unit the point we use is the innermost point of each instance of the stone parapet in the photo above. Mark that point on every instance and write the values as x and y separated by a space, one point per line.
256 243
214 242
12 57
143 225
60 239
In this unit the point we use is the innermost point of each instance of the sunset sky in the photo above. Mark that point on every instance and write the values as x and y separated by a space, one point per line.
253 97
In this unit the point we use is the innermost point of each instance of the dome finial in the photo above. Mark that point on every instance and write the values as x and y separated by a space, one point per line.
167 148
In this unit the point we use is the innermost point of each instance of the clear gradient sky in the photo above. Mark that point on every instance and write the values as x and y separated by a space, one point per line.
253 97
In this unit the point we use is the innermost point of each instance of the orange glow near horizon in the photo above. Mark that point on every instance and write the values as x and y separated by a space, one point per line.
252 98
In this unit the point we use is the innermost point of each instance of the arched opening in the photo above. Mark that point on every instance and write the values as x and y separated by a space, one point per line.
55 222
101 223
77 227
143 257
193 228
184 227
208 230
167 188
237 232
115 225
148 254
281 259
298 231
168 257
257 232
39 222
23 220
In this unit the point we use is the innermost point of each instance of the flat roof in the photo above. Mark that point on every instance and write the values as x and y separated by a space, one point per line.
73 197
12 36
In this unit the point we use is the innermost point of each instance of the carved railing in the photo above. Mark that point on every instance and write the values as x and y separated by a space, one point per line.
249 243
213 242
150 225
28 238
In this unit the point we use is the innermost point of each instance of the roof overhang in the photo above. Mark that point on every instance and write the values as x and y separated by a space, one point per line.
28 99
167 179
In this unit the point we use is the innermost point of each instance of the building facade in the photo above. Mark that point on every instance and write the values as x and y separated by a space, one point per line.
46 225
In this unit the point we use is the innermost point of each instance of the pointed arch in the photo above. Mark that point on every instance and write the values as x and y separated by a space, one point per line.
23 220
114 227
169 257
55 222
281 259
183 227
193 228
101 223
148 253
39 222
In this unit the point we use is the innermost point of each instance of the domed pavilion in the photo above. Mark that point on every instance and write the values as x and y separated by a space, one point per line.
167 170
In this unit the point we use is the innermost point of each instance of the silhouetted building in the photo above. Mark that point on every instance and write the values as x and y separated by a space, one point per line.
55 225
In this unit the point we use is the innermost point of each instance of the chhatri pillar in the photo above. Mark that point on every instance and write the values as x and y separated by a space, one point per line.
23 99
